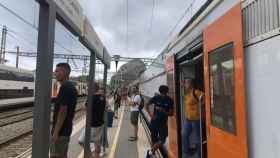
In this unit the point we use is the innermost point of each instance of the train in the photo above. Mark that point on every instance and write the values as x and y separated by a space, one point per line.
17 84
231 50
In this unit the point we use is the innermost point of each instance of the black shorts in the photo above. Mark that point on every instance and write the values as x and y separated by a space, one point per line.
60 148
134 117
159 131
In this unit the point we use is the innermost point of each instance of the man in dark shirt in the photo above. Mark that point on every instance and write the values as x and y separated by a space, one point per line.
64 112
97 120
163 107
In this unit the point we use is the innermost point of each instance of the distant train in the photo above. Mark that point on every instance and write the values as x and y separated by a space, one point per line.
231 50
19 83
15 83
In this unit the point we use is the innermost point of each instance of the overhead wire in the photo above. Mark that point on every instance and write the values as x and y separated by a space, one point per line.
152 16
17 15
189 8
34 27
127 13
30 24
150 26
15 38
15 33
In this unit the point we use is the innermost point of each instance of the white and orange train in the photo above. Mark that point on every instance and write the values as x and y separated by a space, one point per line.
231 48
16 84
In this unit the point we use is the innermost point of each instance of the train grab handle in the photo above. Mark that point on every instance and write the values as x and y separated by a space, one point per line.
203 140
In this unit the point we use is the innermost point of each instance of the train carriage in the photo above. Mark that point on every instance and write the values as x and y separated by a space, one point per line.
231 49
15 83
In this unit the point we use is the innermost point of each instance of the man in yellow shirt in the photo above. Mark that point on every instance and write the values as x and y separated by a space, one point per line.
192 116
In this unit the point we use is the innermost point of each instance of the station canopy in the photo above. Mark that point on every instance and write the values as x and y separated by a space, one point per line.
78 28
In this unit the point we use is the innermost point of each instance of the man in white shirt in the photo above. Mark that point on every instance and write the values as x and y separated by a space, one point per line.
134 113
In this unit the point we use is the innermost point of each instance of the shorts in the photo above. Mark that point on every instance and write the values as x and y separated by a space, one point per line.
159 131
60 148
95 136
134 117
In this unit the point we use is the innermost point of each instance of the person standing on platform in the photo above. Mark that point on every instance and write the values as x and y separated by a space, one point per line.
163 107
192 117
104 138
134 113
97 121
124 98
117 104
64 111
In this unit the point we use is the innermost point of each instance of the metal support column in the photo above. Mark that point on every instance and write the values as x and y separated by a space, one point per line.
91 91
17 57
41 116
3 45
105 78
105 142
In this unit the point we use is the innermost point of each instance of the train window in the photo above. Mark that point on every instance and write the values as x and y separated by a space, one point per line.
222 88
3 74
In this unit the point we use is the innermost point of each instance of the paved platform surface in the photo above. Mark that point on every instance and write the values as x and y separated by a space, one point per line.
119 146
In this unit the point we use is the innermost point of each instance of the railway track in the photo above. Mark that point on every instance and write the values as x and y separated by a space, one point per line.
16 130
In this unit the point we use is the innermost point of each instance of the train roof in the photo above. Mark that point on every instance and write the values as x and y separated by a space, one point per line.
13 69
199 15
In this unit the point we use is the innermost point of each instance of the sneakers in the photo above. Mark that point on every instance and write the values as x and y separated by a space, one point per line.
103 153
132 139
150 154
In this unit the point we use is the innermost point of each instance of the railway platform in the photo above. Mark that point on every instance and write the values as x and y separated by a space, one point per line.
118 134
14 103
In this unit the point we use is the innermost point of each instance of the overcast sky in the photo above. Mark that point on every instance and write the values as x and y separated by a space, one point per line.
141 31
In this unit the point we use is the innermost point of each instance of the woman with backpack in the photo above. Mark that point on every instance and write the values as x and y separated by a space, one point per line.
192 116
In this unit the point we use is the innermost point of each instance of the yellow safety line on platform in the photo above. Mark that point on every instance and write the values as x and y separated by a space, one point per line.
114 146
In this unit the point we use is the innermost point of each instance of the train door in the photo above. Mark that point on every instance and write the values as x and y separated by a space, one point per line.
192 69
171 76
224 87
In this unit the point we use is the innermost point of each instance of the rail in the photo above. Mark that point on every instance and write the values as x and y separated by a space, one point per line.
16 129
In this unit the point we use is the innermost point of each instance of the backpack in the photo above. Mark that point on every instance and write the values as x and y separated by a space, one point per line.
142 103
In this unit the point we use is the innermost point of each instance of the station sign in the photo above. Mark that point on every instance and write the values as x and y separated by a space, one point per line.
92 39
73 10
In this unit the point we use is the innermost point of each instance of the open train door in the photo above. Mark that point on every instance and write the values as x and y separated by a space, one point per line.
224 87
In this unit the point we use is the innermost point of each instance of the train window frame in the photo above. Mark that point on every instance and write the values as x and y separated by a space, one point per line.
223 53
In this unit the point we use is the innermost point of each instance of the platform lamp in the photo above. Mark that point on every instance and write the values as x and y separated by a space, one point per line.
117 59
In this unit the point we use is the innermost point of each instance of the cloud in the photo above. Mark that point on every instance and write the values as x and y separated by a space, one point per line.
141 36
143 40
